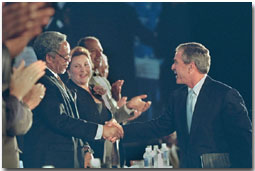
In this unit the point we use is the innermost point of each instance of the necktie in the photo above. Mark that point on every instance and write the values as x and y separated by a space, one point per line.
190 107
61 82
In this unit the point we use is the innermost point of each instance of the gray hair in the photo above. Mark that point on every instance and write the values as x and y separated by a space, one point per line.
198 53
48 42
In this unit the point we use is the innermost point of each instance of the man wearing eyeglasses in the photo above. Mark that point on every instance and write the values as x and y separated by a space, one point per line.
55 136
57 61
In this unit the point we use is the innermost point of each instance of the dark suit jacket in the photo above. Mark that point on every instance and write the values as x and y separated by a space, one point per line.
52 139
220 124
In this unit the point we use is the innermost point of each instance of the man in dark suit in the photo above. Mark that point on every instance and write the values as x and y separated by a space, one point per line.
211 120
56 133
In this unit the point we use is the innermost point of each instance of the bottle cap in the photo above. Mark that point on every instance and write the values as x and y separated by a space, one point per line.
149 146
148 149
155 147
163 145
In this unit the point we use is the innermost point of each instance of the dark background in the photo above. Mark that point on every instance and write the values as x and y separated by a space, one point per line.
224 28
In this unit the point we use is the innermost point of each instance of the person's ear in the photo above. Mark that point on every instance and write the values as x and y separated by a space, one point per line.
191 67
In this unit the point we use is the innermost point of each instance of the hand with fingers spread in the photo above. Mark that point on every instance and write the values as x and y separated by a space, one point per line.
116 89
138 104
23 78
34 96
112 131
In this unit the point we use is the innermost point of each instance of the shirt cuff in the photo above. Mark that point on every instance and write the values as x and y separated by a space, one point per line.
128 110
99 132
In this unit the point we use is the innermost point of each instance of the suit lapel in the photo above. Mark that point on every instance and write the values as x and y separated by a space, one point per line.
52 78
63 90
65 93
201 106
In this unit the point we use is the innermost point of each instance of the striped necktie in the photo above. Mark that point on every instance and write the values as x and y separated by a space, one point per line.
61 82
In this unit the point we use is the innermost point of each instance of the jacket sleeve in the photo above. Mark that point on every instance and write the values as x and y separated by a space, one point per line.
18 117
53 112
238 130
121 114
156 128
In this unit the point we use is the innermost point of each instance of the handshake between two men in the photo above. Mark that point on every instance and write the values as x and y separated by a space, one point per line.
113 131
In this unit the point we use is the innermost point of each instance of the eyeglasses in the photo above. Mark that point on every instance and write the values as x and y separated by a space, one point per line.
66 59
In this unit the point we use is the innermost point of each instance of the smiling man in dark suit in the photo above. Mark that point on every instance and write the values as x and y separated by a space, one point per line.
56 133
211 120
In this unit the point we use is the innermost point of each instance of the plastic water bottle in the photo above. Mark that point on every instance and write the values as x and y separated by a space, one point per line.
21 164
165 154
155 156
147 156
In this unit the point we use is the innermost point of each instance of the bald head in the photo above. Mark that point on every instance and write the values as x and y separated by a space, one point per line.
95 49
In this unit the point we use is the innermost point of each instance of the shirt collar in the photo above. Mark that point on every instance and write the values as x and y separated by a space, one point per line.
199 85
55 74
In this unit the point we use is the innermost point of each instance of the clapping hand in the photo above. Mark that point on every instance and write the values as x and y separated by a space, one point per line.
116 89
21 22
138 104
34 96
24 78
112 131
23 16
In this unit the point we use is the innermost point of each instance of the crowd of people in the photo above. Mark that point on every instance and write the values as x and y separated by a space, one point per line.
69 113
